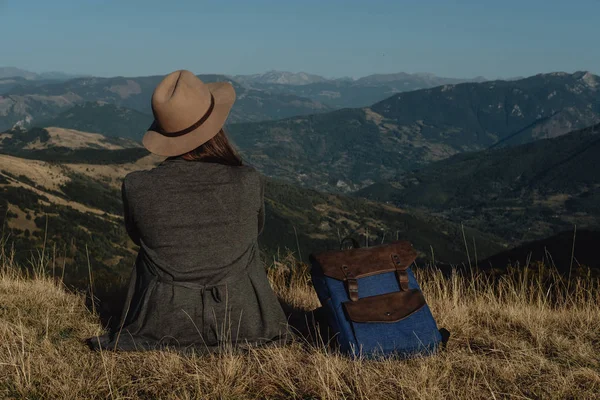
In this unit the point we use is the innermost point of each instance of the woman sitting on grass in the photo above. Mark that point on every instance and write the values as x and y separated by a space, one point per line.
198 281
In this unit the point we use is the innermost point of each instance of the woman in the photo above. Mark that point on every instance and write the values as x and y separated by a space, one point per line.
198 280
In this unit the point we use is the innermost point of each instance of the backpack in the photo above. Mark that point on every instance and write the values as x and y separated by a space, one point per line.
373 302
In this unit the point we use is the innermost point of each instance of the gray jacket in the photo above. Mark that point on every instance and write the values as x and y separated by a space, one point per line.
198 280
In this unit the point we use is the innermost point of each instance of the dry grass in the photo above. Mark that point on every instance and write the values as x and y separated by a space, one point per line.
41 173
75 139
524 337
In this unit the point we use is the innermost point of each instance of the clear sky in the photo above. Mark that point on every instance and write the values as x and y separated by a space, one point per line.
334 38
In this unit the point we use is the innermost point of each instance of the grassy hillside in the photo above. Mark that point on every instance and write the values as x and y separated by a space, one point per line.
305 220
314 221
67 145
349 149
520 193
514 195
84 204
524 338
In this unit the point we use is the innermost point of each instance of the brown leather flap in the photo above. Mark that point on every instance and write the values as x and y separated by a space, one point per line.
366 261
389 307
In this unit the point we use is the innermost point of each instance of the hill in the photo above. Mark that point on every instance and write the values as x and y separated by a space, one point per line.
12 72
348 149
520 193
7 83
474 116
52 137
60 145
30 104
567 251
296 218
76 196
105 118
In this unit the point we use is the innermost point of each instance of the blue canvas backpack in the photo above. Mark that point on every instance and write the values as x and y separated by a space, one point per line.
373 303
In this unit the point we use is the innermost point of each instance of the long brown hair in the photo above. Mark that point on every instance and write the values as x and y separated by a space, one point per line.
218 150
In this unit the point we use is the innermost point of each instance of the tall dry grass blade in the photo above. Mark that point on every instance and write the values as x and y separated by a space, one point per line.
572 255
53 260
475 251
466 247
62 274
297 244
42 258
87 254
105 369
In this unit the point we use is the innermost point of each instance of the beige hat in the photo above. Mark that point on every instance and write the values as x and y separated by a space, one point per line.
187 113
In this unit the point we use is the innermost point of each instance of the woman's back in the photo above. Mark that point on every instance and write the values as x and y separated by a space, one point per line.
201 219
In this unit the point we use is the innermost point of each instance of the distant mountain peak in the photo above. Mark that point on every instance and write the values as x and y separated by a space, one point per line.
591 80
575 75
281 77
13 72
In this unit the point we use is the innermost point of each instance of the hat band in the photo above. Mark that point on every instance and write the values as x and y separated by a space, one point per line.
196 125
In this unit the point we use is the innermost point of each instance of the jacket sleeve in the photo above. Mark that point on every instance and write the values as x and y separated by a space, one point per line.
261 211
129 224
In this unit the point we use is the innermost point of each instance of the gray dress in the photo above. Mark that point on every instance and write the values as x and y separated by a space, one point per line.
198 280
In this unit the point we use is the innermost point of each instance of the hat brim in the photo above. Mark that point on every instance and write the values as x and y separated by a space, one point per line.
157 143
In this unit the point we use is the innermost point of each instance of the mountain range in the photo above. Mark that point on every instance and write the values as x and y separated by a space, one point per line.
13 72
279 77
348 149
28 103
341 150
345 92
27 98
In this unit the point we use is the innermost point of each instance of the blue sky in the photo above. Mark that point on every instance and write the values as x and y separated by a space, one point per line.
327 37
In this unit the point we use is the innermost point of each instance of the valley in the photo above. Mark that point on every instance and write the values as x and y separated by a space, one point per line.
73 207
520 193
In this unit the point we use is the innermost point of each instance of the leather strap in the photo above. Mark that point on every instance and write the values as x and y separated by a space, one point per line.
195 125
401 273
351 283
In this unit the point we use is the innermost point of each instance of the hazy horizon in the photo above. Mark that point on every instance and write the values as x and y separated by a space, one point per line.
41 72
334 39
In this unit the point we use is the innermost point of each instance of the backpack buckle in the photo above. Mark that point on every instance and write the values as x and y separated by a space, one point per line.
401 273
351 283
